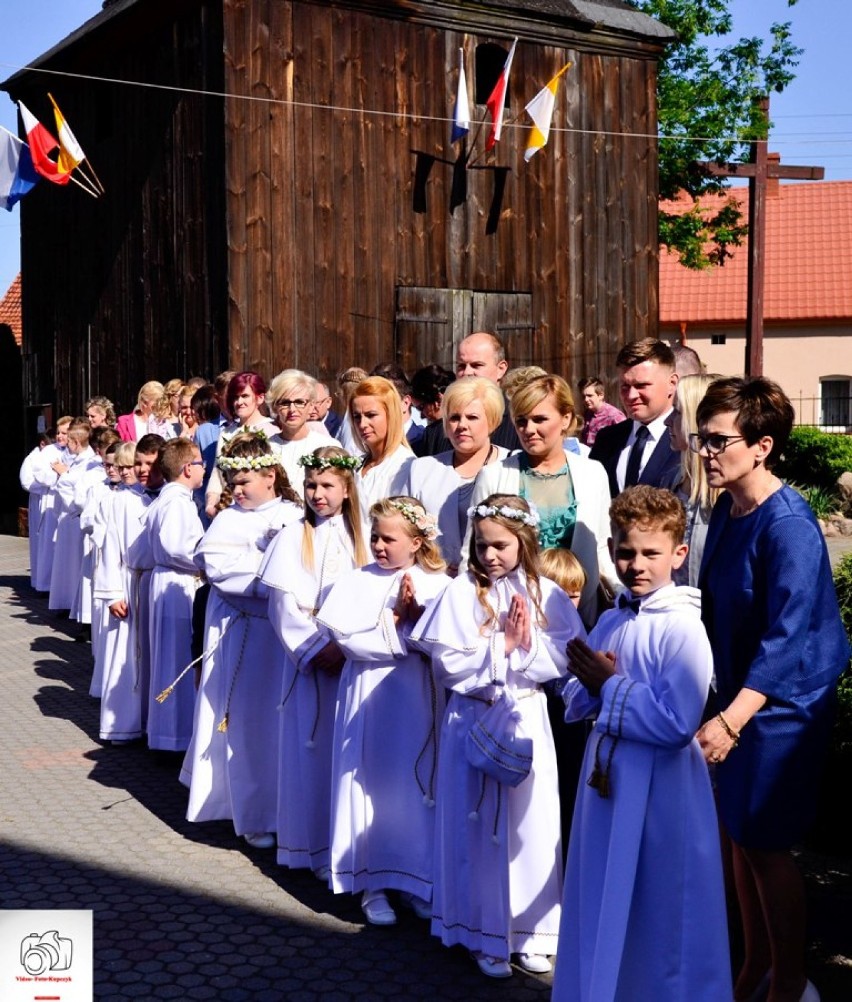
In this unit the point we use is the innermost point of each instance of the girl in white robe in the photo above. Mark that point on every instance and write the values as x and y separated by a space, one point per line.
231 765
498 879
300 567
388 709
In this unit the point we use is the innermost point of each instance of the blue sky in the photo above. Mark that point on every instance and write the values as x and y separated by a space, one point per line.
812 118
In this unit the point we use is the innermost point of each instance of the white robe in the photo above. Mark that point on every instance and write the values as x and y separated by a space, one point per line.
88 483
436 485
644 909
174 531
68 553
124 575
36 492
233 773
385 480
308 695
498 869
45 479
385 737
93 523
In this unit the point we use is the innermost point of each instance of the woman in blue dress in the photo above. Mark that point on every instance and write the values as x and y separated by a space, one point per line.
779 646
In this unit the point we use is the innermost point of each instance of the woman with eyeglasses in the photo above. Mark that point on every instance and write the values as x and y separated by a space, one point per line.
292 394
690 484
779 646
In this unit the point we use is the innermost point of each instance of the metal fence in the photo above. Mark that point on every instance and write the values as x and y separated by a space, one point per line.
828 413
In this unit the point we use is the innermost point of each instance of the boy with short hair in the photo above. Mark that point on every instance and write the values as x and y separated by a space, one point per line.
644 909
174 530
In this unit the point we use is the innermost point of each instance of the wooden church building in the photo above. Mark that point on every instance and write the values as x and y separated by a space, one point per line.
281 190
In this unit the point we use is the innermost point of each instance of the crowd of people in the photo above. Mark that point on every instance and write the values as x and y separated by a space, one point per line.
370 633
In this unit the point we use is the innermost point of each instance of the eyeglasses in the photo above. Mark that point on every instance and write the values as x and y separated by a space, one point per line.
196 462
713 445
296 405
111 466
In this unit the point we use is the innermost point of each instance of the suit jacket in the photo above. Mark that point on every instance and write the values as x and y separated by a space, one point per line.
662 467
434 441
125 427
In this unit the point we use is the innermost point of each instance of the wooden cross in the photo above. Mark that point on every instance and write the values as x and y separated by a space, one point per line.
758 170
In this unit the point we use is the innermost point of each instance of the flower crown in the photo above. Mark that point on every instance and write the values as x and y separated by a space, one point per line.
247 462
426 524
530 518
259 433
312 462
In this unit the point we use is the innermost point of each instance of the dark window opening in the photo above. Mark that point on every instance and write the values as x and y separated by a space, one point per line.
718 339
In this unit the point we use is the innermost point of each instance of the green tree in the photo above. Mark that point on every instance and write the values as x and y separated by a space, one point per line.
707 107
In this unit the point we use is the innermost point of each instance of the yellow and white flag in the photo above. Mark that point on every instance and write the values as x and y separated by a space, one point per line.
540 110
70 151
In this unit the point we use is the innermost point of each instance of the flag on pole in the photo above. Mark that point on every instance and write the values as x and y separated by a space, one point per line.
70 151
42 144
17 175
497 100
461 111
540 110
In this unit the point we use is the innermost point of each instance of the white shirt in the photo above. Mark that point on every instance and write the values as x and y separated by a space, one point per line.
656 428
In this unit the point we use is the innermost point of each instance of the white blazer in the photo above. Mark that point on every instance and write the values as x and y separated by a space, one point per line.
590 543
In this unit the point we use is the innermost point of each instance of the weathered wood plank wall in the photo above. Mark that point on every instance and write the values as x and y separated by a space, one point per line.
326 191
132 286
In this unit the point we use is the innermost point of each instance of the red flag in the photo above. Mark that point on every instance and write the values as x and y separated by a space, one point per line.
42 144
497 100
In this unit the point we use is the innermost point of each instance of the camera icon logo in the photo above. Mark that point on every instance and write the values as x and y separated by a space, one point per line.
47 952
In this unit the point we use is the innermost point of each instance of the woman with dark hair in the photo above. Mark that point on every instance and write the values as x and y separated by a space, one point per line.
770 610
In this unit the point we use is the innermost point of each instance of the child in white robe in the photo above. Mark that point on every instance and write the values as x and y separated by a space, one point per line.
385 732
174 531
119 466
231 765
499 629
68 552
44 473
644 908
124 584
302 563
36 491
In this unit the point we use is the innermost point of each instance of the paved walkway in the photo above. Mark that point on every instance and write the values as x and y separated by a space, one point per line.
180 911
189 911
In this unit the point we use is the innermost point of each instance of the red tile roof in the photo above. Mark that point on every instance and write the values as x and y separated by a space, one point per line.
808 262
10 309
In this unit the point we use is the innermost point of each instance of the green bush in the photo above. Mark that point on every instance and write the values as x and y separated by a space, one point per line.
813 458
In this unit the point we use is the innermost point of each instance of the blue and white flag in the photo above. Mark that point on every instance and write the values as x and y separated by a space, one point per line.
461 112
17 174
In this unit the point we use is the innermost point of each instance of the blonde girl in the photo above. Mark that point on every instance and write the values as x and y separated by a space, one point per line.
235 734
498 629
300 567
384 754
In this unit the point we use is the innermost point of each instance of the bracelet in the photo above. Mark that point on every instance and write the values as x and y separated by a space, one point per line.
732 734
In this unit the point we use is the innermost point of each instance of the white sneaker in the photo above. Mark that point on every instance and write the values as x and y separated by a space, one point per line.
260 840
535 963
493 967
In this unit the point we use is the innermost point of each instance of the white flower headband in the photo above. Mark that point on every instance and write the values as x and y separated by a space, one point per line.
312 462
247 462
426 524
530 517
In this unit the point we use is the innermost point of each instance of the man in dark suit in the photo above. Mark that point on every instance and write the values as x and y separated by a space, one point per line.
323 412
639 451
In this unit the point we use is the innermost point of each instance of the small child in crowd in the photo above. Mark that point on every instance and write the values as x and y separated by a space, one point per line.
388 713
644 907
498 632
564 569
300 567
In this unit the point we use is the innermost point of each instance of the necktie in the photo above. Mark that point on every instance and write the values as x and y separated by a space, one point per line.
634 460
